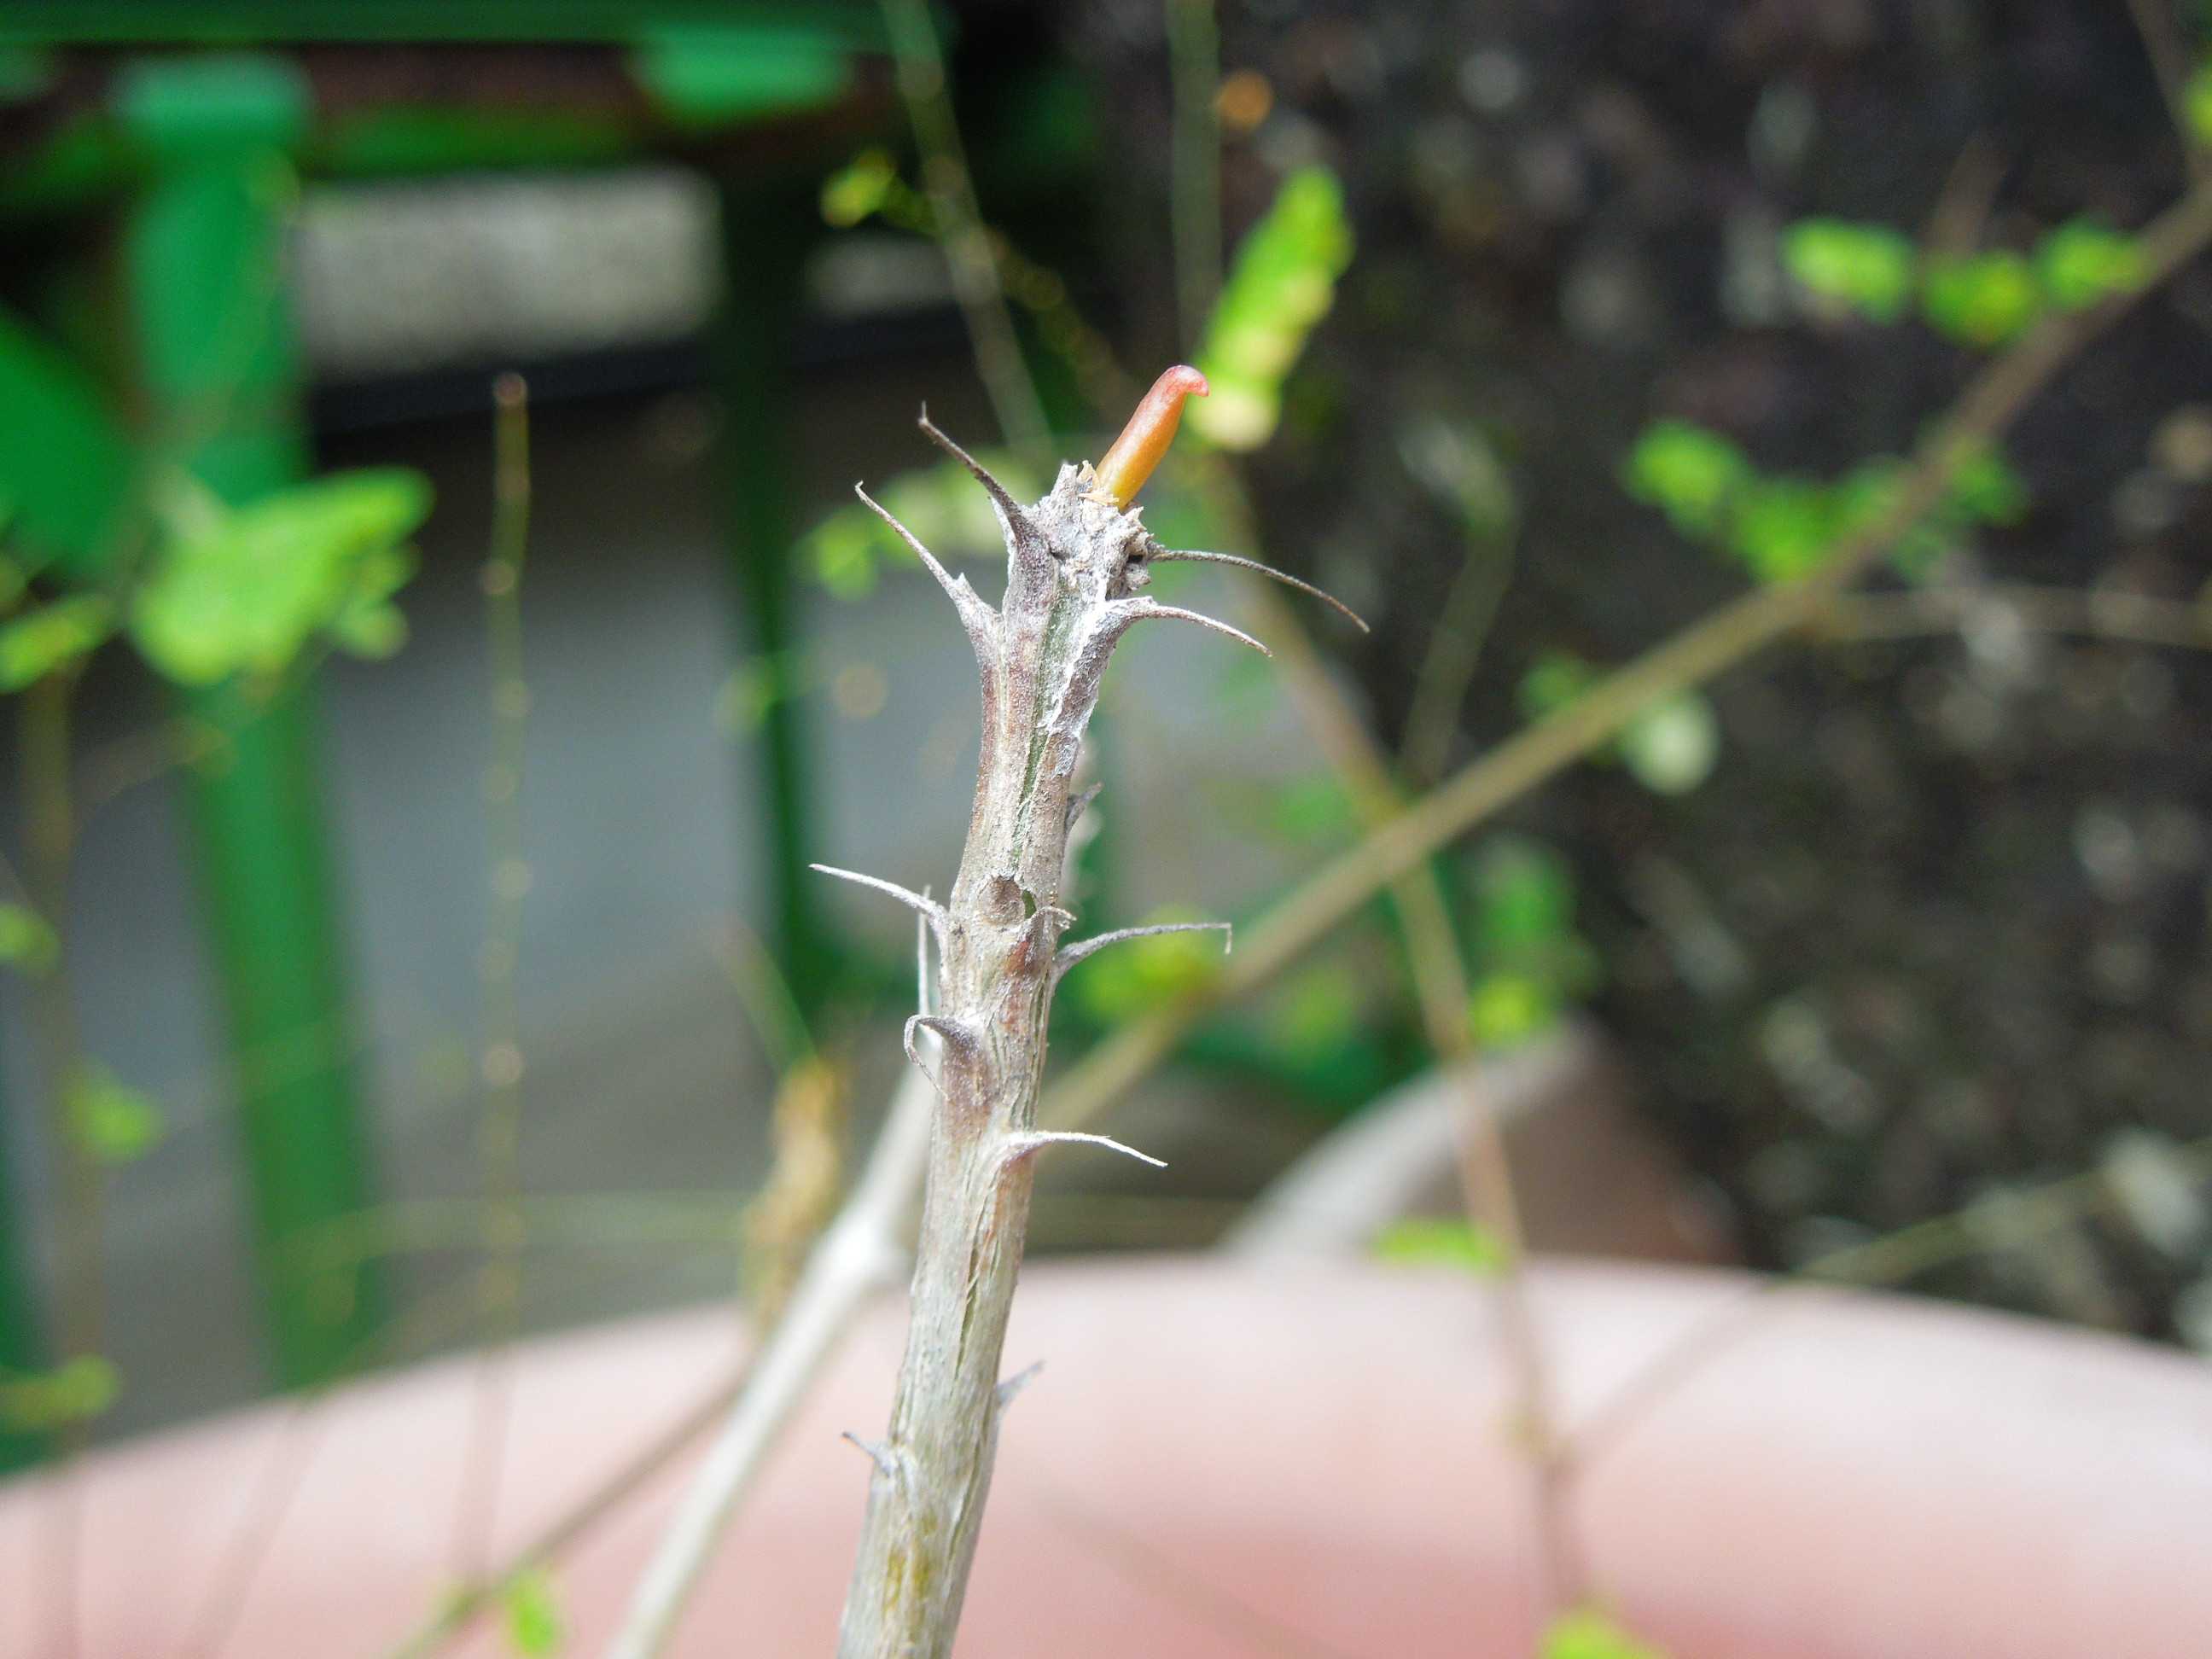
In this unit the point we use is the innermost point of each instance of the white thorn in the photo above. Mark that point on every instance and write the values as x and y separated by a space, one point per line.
877 1455
976 617
935 911
950 1032
921 959
1138 610
1072 954
1193 555
1018 1146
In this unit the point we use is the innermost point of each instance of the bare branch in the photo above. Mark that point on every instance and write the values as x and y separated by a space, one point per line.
929 907
1072 954
976 617
1192 555
1144 609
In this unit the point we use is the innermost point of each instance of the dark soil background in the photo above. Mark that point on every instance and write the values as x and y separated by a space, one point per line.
1935 928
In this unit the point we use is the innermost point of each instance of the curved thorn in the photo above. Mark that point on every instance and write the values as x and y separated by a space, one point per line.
955 1035
877 1455
1194 555
1070 954
1140 608
1019 1146
930 907
921 960
980 620
1077 804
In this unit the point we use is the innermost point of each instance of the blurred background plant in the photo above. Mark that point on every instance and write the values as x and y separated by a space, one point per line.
1539 333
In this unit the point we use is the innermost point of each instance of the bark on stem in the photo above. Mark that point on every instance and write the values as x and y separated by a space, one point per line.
1075 562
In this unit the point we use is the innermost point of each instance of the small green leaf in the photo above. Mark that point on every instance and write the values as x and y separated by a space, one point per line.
534 1625
1524 896
1983 301
244 590
2082 263
77 1391
1671 746
110 1122
26 941
859 189
1854 267
1280 285
1586 1633
1985 490
35 644
1555 680
1433 1242
1508 1008
2196 103
1784 527
1688 473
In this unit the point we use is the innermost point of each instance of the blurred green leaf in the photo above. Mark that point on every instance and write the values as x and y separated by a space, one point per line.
76 1391
1314 1011
1985 490
1688 473
857 190
244 590
26 941
1507 1008
534 1625
1586 1633
1128 978
1555 680
1524 894
1670 748
1984 299
1315 808
2082 263
2196 103
14 580
1434 1242
110 1122
1281 283
1782 527
34 644
1863 268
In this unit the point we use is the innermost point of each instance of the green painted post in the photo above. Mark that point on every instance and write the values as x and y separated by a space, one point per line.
219 371
764 238
21 1346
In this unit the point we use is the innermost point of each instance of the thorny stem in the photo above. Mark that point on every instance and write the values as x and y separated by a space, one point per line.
1076 562
967 246
499 1149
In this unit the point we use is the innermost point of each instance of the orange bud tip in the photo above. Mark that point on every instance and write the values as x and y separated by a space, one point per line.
1130 462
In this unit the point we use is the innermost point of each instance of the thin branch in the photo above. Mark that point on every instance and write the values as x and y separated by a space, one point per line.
2136 618
2168 51
960 223
1072 954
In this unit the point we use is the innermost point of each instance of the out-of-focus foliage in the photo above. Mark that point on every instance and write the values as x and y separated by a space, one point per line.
1983 299
27 942
948 514
1126 979
1282 283
1868 269
76 1391
2083 263
110 1122
1531 962
1782 528
1436 1241
1669 748
243 590
534 1625
36 643
1587 1633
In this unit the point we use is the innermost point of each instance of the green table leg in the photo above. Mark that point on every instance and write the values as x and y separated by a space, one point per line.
220 371
764 239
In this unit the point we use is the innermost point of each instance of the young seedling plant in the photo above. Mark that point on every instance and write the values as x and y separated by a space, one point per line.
1077 563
